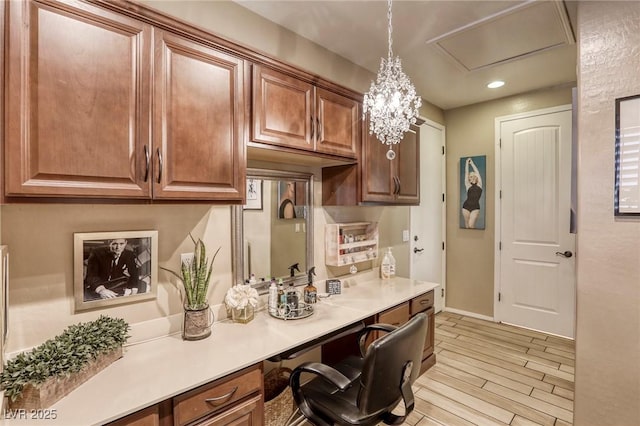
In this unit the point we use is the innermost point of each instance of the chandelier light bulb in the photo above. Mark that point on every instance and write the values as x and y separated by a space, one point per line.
392 102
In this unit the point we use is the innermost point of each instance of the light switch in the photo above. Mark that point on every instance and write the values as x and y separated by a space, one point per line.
405 235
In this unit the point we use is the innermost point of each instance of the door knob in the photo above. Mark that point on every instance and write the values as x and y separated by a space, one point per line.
566 254
417 250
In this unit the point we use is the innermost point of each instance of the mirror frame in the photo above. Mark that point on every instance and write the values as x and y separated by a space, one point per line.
237 224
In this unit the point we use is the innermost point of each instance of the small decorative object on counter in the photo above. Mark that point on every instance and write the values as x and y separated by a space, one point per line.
334 286
392 263
241 300
310 291
37 379
195 277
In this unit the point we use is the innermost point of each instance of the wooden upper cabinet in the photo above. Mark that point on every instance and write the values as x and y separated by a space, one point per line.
78 83
391 181
199 114
283 110
292 113
338 124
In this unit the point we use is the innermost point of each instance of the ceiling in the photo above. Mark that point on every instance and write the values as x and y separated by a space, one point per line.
450 49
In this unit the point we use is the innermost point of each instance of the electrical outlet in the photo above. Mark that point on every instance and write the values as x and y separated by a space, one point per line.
186 257
405 235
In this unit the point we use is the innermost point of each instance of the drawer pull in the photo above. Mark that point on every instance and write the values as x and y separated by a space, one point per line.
221 399
424 302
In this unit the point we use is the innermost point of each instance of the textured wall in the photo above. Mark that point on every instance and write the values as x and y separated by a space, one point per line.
608 322
470 132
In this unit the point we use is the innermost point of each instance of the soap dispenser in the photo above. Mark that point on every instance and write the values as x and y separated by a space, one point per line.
310 291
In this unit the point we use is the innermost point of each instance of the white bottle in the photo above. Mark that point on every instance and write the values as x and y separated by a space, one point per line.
385 266
273 297
392 264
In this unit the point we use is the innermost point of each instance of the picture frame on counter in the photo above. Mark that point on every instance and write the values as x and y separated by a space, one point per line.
253 195
627 163
114 268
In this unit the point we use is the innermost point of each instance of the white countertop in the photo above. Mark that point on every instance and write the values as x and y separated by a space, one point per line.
153 371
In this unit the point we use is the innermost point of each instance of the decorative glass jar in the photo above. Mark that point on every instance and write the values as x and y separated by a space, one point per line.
242 315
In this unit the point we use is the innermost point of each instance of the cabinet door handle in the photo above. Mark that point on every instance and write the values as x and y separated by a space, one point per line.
147 163
159 165
318 128
399 186
313 128
218 400
396 185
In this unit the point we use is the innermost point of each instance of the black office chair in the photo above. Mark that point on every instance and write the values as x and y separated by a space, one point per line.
364 391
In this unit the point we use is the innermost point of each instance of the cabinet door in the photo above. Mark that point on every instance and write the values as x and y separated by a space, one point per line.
247 413
337 124
282 109
199 112
407 167
377 172
78 121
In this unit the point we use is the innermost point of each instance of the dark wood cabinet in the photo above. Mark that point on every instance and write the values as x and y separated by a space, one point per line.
292 113
236 399
90 118
391 181
79 83
198 121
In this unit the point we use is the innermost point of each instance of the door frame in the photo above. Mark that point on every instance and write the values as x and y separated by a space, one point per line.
443 206
497 253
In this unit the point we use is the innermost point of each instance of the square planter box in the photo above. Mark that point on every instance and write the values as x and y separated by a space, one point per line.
45 394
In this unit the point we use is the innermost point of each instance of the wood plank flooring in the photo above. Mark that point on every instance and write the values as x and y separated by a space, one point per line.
495 374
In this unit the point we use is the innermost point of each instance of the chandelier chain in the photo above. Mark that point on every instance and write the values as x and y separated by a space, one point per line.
390 29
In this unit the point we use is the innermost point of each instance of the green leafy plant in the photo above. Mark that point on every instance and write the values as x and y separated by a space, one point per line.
196 275
63 355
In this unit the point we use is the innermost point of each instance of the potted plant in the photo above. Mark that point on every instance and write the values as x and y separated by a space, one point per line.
38 378
195 275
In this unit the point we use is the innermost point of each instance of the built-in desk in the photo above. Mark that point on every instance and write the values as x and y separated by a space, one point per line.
155 371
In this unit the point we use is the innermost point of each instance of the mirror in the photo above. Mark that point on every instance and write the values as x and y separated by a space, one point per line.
274 230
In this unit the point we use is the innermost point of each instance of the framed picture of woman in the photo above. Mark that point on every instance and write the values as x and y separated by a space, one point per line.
473 172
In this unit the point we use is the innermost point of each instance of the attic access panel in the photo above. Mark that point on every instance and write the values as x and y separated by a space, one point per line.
514 33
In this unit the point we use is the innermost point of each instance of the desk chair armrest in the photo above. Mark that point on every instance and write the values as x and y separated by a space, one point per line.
364 333
329 374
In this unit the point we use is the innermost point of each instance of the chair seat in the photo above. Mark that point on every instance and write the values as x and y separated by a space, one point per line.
364 391
326 398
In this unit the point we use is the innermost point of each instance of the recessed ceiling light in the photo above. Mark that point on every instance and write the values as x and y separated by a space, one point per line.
495 84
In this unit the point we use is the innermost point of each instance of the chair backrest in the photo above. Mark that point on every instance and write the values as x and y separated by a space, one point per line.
384 364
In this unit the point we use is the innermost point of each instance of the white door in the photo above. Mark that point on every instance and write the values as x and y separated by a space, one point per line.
535 278
427 219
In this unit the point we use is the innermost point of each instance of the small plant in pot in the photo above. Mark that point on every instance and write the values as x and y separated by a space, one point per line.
195 275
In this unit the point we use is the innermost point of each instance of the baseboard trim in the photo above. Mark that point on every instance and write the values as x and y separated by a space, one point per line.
468 314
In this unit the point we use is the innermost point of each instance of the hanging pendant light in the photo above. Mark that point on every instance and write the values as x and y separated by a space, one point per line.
392 102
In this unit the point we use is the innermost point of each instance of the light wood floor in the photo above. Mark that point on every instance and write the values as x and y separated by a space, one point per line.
495 374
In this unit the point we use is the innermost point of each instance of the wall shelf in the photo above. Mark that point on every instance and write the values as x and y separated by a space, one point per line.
349 243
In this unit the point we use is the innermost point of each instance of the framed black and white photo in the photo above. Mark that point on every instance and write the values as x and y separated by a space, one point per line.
113 268
254 194
627 157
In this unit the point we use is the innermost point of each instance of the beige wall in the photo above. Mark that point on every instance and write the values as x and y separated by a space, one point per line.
608 262
471 132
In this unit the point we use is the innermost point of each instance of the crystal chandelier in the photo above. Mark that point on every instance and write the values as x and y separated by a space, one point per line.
392 102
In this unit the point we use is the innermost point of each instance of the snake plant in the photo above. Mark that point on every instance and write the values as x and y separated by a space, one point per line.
195 275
